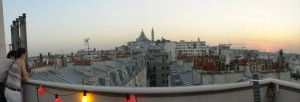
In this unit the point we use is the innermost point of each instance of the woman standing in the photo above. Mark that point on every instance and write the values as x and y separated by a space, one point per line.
14 79
4 66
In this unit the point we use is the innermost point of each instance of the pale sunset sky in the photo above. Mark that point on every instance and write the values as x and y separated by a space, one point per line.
59 26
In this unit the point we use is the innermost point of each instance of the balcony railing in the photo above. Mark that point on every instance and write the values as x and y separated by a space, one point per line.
235 92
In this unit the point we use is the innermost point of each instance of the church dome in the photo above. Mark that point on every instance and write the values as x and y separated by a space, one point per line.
142 37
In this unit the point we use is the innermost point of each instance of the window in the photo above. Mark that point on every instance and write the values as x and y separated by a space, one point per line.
162 68
167 81
163 82
162 75
167 68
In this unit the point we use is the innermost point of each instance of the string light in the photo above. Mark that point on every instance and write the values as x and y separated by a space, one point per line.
56 98
41 90
128 98
84 97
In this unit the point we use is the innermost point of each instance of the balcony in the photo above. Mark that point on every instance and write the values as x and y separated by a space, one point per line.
236 92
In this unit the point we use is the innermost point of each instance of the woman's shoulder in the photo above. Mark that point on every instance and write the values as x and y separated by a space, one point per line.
20 61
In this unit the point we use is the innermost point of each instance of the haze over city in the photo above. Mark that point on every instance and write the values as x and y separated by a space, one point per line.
60 26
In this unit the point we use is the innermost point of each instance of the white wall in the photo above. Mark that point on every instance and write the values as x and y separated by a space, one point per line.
233 77
237 92
207 79
170 48
2 34
225 78
282 75
287 94
197 75
187 65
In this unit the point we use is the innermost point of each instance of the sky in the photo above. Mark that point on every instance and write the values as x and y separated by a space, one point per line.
60 26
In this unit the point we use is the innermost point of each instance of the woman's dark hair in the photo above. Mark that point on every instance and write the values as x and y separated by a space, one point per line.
11 53
20 52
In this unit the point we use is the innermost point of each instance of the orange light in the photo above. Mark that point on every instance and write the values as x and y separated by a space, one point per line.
84 97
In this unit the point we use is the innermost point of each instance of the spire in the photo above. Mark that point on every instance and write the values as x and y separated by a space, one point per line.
142 33
152 35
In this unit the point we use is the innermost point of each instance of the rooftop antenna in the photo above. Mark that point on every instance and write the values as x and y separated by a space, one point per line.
86 42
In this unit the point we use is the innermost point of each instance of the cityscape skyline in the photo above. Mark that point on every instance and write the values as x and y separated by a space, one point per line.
61 26
221 49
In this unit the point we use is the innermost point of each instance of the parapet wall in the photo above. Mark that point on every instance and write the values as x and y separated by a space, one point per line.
236 92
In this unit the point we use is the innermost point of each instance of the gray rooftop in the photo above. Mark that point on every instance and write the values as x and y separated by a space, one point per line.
187 78
69 75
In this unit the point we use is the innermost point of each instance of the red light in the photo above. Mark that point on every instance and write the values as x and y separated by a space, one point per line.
56 98
129 98
41 90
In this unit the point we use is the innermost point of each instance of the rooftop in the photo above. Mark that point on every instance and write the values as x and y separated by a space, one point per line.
70 75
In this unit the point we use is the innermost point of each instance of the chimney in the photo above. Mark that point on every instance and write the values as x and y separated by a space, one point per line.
16 36
13 39
23 33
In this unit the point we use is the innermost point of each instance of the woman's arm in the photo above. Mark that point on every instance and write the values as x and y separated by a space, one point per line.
24 72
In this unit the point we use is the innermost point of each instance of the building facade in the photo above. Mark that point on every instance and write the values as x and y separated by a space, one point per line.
158 68
192 48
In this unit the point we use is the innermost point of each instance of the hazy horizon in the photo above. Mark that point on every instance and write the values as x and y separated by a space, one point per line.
60 26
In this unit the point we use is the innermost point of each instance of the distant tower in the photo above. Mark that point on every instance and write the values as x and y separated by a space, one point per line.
2 35
15 37
152 35
23 34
